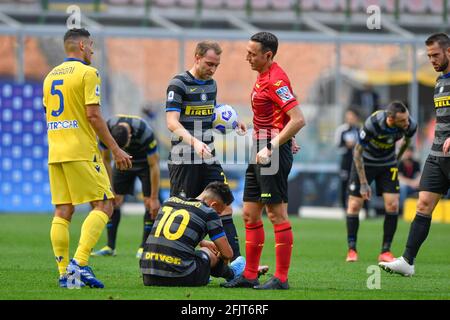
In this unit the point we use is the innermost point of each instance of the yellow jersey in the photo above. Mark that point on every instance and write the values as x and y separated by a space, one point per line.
68 88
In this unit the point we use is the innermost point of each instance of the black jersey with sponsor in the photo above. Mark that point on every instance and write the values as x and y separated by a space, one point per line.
195 101
442 107
179 227
143 142
378 140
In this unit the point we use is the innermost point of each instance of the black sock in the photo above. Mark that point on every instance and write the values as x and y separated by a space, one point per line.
112 226
222 270
352 230
232 236
148 225
390 226
418 232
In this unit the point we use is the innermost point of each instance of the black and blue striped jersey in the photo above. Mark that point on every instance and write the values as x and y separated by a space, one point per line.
179 227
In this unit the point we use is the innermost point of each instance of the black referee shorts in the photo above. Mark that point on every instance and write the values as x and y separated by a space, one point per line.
198 277
385 177
124 180
269 188
190 180
436 175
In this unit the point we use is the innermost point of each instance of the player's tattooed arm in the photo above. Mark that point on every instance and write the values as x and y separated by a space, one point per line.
405 144
359 163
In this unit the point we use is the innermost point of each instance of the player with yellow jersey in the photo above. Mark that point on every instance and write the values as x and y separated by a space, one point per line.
71 98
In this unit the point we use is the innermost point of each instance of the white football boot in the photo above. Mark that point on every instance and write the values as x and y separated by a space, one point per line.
399 266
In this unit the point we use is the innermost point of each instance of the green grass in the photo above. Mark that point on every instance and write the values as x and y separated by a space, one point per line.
318 270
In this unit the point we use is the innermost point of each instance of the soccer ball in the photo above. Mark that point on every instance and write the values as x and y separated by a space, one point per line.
224 118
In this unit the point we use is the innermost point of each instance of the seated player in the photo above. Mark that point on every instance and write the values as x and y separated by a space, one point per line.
135 136
170 257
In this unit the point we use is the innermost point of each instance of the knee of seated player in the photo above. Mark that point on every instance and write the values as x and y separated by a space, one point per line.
213 259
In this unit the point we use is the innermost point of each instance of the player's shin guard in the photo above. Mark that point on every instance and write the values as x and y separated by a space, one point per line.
59 236
222 270
232 236
91 230
390 226
283 249
352 230
112 226
148 225
417 235
254 243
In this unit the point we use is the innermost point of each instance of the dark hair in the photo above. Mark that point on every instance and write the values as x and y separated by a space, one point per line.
396 107
441 38
269 42
354 111
120 134
221 190
76 33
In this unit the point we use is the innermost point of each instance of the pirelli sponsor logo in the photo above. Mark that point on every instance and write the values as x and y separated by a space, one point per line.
162 257
381 145
442 102
199 110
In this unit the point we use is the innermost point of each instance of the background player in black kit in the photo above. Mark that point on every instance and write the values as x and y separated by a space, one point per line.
134 135
435 179
191 98
170 257
346 137
375 160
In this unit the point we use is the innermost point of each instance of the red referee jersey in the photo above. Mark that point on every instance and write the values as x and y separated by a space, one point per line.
271 98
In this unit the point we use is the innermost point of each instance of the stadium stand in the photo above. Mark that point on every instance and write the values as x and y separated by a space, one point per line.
23 152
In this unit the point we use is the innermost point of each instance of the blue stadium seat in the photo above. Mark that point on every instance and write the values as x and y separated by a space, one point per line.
24 182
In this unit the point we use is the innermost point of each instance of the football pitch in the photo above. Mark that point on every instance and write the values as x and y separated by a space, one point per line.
318 270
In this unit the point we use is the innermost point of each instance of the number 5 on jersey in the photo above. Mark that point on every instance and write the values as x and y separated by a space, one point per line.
55 91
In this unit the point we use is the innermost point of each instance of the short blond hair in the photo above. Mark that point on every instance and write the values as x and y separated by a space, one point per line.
202 48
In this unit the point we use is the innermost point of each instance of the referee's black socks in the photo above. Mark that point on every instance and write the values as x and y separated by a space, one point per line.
418 232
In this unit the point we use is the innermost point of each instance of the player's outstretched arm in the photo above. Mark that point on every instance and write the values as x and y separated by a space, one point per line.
224 248
94 116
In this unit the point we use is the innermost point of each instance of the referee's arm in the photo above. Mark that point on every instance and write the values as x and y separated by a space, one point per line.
295 123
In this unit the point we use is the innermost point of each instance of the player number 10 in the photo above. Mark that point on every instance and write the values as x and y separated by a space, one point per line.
166 222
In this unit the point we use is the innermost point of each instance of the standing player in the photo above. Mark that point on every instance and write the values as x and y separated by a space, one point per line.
170 257
435 179
346 137
375 159
77 174
135 136
191 97
276 119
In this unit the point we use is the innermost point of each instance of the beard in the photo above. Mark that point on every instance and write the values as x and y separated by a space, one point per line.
444 65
